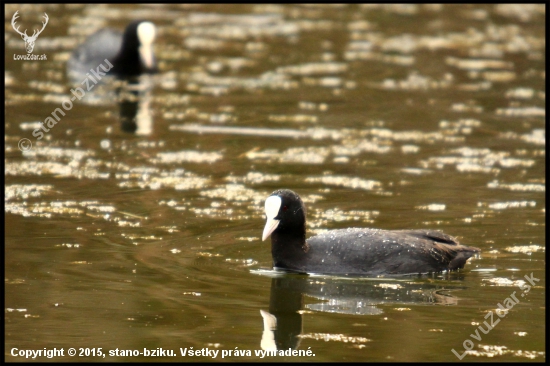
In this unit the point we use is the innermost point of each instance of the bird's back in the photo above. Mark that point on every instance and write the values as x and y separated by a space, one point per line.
103 44
374 251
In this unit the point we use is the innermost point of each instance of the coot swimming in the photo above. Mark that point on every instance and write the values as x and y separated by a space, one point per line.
130 53
359 251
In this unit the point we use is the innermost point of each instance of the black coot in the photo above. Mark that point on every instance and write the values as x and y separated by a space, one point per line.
358 251
130 54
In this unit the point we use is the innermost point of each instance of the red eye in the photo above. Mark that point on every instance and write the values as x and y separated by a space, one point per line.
285 208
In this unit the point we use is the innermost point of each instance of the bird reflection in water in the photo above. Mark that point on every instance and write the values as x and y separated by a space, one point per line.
283 322
135 107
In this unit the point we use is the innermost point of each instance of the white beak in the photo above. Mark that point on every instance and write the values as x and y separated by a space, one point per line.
272 206
146 35
270 226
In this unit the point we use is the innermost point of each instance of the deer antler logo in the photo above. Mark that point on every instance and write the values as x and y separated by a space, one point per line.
29 41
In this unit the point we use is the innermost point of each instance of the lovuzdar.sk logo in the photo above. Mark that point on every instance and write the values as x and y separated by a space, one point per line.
29 41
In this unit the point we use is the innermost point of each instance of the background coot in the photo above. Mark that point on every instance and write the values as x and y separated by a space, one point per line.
130 53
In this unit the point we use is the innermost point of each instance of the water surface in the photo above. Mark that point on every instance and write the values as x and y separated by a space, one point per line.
135 221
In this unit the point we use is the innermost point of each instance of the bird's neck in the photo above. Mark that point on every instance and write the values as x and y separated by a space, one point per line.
288 248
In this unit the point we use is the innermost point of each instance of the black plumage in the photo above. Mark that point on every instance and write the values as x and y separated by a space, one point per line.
360 251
